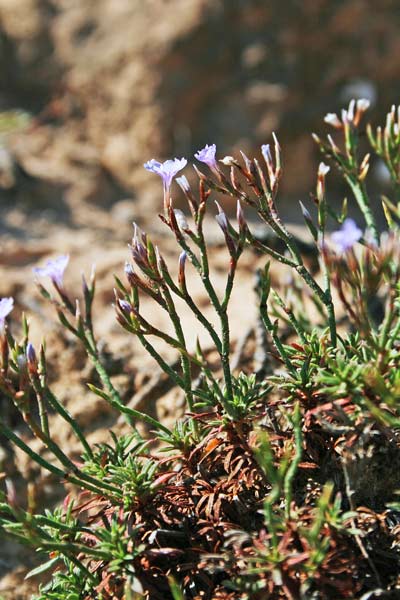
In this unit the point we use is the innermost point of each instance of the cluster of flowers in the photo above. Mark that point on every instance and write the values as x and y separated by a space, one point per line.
344 239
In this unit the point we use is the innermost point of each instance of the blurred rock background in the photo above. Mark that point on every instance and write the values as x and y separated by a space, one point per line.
111 83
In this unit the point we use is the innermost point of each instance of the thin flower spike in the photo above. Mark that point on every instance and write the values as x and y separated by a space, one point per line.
181 272
266 152
166 170
323 169
30 353
333 119
31 358
347 236
6 306
183 183
221 218
207 156
54 269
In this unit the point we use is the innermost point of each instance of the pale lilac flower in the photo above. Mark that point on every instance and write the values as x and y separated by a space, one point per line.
221 218
207 156
240 217
125 307
166 170
6 306
333 119
31 358
363 104
222 221
266 152
347 235
267 155
351 115
54 269
306 212
323 169
350 110
229 161
181 272
30 353
183 183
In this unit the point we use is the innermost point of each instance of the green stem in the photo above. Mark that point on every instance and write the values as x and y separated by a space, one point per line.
67 547
44 421
67 462
298 265
325 298
203 270
360 193
185 361
113 397
291 472
164 366
292 319
229 283
56 404
10 435
278 344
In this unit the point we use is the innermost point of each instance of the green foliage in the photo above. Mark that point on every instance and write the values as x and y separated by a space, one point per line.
277 486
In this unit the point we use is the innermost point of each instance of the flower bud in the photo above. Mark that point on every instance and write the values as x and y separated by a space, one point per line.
31 358
309 222
181 272
364 167
125 307
221 219
362 106
229 161
240 217
350 111
247 161
334 147
333 120
183 183
11 493
323 169
130 273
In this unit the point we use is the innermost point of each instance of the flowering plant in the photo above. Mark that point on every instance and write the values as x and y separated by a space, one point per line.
281 479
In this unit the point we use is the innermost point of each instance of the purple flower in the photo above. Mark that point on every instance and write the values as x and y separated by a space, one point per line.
31 358
266 152
221 218
166 170
6 306
347 235
207 156
222 221
125 307
54 269
30 353
181 272
183 184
